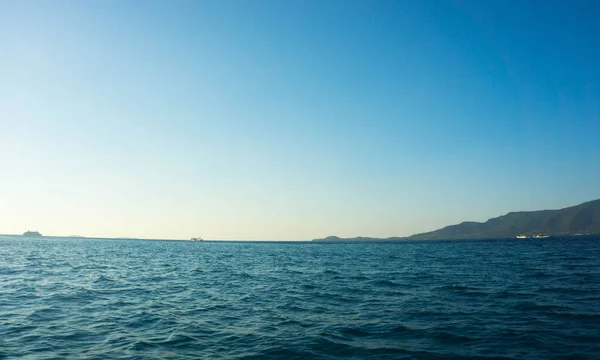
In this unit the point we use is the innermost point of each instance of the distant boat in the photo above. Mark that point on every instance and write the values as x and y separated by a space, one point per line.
540 236
32 233
521 236
196 239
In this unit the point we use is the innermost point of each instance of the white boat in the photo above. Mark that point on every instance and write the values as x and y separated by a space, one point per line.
521 236
196 239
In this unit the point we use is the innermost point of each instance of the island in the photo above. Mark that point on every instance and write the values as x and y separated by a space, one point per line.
335 239
574 220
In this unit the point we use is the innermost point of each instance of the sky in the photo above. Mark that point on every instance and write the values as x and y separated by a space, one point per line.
292 120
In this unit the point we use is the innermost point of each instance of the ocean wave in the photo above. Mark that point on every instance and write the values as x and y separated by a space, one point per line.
155 300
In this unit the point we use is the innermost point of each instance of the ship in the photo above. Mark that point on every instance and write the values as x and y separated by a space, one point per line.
521 236
196 239
541 236
32 233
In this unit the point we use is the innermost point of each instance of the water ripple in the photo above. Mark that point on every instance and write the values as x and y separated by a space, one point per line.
97 299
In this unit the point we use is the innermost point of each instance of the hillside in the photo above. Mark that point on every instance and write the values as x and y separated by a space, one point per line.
580 219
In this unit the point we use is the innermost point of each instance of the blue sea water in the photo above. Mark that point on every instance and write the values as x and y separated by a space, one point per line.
99 299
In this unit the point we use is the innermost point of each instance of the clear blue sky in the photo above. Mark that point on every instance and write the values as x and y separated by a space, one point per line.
293 119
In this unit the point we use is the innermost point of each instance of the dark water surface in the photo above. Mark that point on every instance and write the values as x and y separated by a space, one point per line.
84 298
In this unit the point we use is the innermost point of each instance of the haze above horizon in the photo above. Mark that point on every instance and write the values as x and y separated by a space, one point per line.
293 120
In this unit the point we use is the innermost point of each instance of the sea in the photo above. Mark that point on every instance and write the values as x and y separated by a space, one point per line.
70 298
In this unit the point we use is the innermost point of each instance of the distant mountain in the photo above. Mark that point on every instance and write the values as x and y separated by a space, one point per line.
580 219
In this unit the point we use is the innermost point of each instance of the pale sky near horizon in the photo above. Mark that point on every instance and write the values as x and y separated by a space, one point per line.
285 120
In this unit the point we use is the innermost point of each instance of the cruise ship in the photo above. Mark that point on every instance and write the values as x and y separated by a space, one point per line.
32 233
